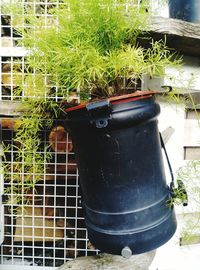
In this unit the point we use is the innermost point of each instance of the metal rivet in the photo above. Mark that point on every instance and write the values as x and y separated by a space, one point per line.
126 252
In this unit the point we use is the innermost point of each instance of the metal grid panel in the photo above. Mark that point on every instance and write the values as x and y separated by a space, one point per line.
44 226
47 229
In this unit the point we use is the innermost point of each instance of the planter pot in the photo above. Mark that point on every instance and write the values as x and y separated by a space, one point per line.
187 10
122 179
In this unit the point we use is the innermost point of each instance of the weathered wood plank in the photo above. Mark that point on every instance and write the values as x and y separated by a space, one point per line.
175 27
182 36
9 108
192 133
29 229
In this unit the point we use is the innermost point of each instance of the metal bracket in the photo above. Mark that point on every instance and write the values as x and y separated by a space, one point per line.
179 192
100 113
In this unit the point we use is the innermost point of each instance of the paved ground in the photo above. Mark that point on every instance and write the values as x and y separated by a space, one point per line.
173 257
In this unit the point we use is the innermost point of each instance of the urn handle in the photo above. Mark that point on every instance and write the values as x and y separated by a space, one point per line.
180 189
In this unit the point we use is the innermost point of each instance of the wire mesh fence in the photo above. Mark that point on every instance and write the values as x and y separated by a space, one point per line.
43 223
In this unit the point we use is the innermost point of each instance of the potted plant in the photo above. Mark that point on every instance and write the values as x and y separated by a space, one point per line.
87 50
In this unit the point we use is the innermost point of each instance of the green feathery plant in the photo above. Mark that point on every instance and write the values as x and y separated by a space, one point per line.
31 154
92 46
81 48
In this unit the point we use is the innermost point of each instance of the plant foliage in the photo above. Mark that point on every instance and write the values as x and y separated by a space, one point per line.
91 46
77 48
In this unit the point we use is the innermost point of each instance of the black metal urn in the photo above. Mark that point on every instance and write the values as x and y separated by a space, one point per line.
123 184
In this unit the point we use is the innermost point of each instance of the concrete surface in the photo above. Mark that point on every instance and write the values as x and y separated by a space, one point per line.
110 262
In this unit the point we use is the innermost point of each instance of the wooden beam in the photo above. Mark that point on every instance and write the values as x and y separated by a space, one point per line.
175 27
181 36
9 108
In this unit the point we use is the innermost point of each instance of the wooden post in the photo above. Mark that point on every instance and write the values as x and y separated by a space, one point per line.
111 262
